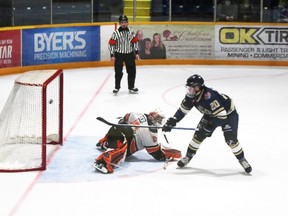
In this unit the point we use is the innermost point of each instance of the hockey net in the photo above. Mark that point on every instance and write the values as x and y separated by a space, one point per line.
31 118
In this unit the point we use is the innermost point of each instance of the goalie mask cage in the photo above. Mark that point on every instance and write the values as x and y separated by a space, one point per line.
31 118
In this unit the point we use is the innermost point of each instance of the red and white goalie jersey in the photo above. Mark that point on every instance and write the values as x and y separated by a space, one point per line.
144 137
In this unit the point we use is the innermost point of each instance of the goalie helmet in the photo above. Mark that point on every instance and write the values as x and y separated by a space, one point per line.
123 18
157 117
195 80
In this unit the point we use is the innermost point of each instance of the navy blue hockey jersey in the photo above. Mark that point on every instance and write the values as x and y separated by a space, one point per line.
209 102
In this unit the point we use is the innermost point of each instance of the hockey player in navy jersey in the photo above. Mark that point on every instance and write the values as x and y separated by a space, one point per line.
122 141
218 111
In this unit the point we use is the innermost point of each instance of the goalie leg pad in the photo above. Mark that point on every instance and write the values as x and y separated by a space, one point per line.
112 158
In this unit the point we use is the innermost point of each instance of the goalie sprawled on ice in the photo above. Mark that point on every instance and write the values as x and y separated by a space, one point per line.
122 141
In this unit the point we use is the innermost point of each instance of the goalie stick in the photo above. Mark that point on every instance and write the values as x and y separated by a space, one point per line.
171 153
166 162
168 159
140 126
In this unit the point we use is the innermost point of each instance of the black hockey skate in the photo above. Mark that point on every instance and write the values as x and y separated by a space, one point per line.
133 91
100 167
184 161
101 146
115 91
244 163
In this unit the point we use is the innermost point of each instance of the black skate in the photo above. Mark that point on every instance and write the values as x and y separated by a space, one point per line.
100 167
133 91
101 146
184 161
244 163
115 91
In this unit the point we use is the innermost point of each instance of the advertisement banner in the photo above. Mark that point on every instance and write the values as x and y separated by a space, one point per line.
60 45
260 43
175 41
106 33
10 48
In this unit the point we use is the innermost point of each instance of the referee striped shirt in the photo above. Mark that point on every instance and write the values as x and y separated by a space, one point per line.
123 41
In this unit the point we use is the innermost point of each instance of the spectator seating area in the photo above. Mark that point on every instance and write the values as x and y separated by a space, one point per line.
37 12
182 10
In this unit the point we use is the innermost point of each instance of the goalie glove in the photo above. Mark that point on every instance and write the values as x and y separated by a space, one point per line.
171 153
106 162
162 154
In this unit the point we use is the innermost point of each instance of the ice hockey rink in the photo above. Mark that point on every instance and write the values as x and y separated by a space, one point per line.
213 183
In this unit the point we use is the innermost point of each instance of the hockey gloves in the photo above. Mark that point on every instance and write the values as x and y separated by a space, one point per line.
162 154
171 153
171 122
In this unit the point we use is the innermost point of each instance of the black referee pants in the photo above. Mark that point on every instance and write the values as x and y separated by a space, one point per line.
129 60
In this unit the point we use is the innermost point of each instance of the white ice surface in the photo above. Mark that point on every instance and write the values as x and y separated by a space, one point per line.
213 184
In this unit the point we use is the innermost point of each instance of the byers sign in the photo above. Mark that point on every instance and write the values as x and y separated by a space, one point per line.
58 45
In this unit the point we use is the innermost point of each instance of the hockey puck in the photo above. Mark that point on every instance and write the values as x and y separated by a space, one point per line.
50 101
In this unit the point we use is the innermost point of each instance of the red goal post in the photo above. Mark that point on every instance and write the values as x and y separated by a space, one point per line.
31 118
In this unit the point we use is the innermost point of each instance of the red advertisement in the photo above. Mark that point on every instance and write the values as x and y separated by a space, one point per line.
10 48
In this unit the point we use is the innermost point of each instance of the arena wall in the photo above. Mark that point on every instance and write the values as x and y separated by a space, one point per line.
85 45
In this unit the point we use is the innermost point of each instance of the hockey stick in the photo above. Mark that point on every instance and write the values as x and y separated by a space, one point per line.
141 126
166 139
166 162
169 159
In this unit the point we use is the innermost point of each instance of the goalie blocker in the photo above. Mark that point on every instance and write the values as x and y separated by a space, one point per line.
121 142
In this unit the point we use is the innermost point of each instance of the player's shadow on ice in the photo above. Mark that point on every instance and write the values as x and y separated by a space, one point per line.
216 173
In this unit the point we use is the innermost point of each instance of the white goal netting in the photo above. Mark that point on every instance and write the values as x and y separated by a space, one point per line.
30 119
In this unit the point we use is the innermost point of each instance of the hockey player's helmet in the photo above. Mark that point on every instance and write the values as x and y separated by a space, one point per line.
123 18
157 117
195 80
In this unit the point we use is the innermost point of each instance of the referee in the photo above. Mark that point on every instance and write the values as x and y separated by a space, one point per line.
123 45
